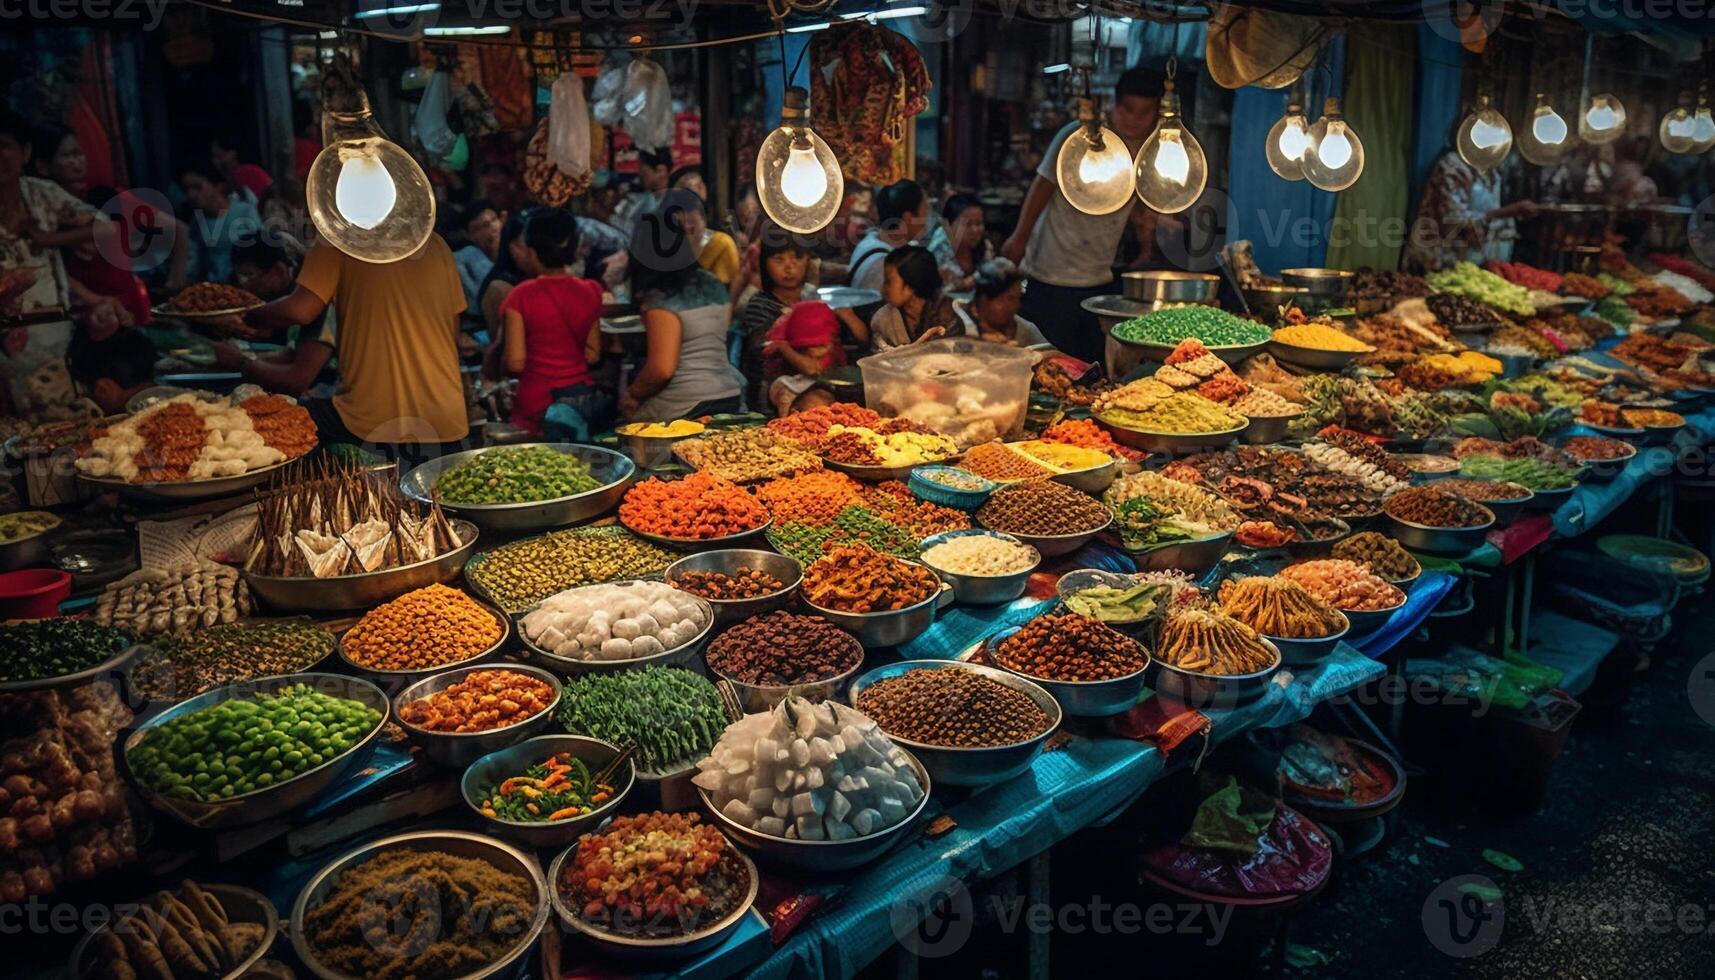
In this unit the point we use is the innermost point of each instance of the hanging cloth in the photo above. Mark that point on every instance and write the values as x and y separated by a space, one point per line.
569 126
506 78
430 124
866 85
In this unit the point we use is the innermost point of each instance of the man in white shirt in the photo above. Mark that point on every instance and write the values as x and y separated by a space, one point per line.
903 210
653 168
1067 255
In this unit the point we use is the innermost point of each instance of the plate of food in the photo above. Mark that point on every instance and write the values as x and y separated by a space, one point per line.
208 300
190 447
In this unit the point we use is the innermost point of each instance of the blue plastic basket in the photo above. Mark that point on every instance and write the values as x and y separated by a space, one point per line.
946 496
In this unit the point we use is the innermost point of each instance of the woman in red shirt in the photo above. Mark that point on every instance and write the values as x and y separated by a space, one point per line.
549 324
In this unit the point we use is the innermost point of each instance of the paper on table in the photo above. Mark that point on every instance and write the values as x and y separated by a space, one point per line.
165 544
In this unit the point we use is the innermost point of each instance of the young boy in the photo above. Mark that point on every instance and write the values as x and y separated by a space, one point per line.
803 345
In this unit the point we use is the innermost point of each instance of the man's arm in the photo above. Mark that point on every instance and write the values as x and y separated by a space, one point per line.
298 308
291 376
1035 201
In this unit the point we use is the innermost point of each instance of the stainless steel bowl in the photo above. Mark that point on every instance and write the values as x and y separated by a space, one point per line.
1266 299
408 676
955 766
728 561
659 948
1170 442
1195 558
1604 470
614 470
1230 353
184 491
1426 475
1312 357
1548 500
679 655
981 590
32 550
455 750
1365 622
878 474
495 767
1300 653
822 856
1170 286
241 905
1507 511
459 843
891 628
1080 699
1266 429
1055 545
697 544
338 593
1197 690
262 805
1319 282
1439 540
755 698
1093 480
650 451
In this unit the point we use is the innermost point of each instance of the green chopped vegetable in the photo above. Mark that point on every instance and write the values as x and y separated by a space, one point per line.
1113 604
41 648
1213 327
673 715
1527 471
559 787
516 475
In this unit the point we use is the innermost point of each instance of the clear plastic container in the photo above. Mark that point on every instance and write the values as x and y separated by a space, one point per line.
972 391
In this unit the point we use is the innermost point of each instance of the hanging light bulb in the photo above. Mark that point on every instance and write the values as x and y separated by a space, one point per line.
1335 158
1702 123
1544 139
1171 167
1287 140
1603 120
798 178
1485 137
1093 168
367 197
1677 127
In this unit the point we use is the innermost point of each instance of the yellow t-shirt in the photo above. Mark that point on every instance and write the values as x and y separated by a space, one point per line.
720 256
397 344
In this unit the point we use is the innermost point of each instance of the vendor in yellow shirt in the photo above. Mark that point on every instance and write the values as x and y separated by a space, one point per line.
400 391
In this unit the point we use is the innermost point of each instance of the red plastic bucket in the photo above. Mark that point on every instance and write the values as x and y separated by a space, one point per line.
33 593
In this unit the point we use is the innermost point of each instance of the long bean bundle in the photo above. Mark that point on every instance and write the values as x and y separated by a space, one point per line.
673 715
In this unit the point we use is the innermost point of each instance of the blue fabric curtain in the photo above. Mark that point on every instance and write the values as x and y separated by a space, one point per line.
1440 66
1286 221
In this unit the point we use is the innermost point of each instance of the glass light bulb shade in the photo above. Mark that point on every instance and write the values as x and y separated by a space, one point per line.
1544 141
1484 139
1171 168
370 200
1285 144
1095 174
798 180
1677 131
1603 120
1702 130
1335 159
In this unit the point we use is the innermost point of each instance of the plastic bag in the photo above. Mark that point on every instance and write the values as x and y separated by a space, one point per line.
430 125
648 105
606 96
569 126
1293 857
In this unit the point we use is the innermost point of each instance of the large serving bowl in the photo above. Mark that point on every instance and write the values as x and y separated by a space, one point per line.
701 544
503 856
955 766
1507 511
285 796
28 550
1550 499
1313 357
887 629
1604 470
822 856
1266 299
1055 545
1093 480
878 474
1170 286
652 948
1080 699
981 590
679 655
119 663
1299 653
1170 442
395 677
1195 558
1198 690
1367 621
755 698
650 451
1230 353
338 593
502 764
455 750
1319 282
1439 540
728 561
187 491
1266 429
241 905
613 470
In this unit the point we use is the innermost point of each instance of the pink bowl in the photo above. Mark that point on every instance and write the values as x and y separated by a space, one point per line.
33 593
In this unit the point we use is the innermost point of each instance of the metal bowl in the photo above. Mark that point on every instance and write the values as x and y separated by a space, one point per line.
1170 442
1093 480
1623 433
690 544
955 766
728 561
493 768
1080 699
1266 299
653 948
1055 545
241 905
1301 653
981 590
1550 500
891 628
1595 470
416 674
878 474
1427 475
265 804
1367 621
184 491
1230 353
1660 435
677 656
756 698
1439 540
821 856
119 663
1192 557
1266 429
1198 690
459 843
1170 286
455 750
1312 357
650 451
1507 511
1318 282
338 593
613 469
26 551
